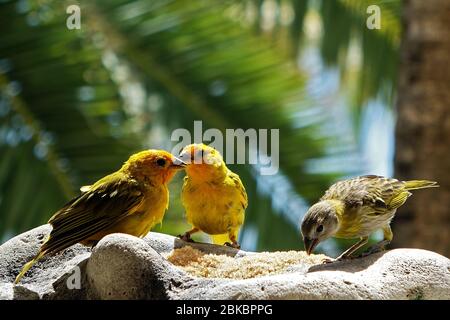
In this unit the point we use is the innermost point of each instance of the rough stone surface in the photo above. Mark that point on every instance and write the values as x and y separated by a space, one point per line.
41 280
125 267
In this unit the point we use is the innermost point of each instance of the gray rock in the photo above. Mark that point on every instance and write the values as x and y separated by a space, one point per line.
126 267
49 271
395 274
6 291
164 243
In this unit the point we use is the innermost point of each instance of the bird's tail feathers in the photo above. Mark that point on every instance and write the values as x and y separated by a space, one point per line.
420 184
28 265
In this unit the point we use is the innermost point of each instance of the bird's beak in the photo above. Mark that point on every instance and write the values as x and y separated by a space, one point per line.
310 244
177 164
185 157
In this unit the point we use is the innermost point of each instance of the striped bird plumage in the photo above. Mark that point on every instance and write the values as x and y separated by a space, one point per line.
131 200
369 202
98 208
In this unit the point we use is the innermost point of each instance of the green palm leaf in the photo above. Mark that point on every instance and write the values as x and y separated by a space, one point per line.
56 97
188 62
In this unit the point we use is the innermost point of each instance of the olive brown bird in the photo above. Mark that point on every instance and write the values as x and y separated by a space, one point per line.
131 200
213 196
355 208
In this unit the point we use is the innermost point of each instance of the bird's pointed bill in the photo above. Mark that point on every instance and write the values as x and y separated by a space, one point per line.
178 163
310 244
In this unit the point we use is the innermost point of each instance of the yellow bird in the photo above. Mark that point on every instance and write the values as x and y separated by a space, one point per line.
131 200
355 208
213 196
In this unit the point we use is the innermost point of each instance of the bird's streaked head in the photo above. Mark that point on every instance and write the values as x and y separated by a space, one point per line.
155 164
319 224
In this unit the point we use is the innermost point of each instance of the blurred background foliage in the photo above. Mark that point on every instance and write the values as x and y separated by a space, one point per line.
74 104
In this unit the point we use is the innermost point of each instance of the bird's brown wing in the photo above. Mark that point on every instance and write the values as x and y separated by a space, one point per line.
377 194
104 204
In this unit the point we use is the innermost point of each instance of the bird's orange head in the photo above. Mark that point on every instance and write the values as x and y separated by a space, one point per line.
203 162
156 165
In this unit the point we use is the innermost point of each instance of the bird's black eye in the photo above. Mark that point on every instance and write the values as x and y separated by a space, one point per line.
161 162
319 228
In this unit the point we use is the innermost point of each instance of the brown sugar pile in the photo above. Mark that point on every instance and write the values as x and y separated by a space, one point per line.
200 264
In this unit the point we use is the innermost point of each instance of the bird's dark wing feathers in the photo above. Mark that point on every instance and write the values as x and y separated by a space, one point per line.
102 206
238 183
373 191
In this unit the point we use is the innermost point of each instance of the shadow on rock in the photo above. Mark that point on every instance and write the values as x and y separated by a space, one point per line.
208 248
351 265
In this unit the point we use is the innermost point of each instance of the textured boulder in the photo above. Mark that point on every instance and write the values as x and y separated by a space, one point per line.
163 267
126 267
397 274
45 280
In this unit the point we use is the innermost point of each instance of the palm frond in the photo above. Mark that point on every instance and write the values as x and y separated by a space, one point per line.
345 20
216 71
191 61
58 97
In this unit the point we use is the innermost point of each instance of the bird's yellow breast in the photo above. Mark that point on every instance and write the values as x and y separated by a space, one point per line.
149 213
214 208
361 222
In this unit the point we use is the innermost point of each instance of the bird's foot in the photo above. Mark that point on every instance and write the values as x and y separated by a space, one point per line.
380 246
342 257
328 260
331 260
186 237
232 245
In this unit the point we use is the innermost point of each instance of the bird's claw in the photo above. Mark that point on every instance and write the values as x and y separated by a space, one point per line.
380 246
372 250
328 260
232 245
331 260
186 237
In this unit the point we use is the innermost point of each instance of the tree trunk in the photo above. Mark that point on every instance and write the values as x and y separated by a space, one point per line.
423 125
